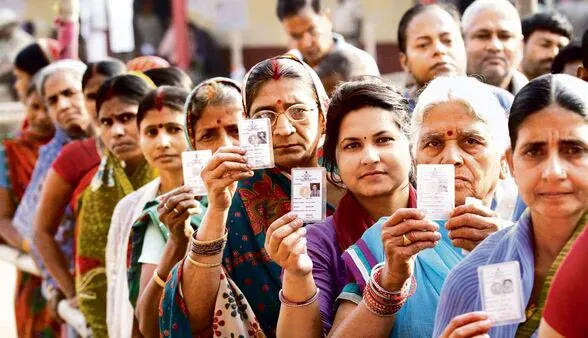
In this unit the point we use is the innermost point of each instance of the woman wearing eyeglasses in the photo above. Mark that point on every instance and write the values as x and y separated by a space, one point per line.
241 297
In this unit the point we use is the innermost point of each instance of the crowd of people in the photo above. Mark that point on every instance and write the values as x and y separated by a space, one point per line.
93 188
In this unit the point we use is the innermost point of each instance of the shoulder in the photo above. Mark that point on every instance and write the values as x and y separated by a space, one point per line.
130 201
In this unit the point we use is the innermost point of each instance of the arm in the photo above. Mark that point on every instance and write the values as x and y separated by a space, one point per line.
200 285
68 28
7 231
421 234
147 310
546 331
55 197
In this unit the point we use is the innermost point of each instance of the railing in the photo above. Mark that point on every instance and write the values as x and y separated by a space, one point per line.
72 316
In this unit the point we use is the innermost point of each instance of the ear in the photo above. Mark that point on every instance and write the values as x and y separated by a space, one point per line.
504 167
322 124
581 72
404 62
508 156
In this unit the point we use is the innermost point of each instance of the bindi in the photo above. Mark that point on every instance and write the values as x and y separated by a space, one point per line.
218 121
280 104
450 133
160 126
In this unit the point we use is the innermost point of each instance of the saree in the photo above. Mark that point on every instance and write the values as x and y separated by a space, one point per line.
258 202
149 217
32 315
461 294
108 187
431 267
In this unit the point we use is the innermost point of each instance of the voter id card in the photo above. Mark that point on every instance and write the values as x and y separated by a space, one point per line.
436 190
192 164
501 293
255 136
309 197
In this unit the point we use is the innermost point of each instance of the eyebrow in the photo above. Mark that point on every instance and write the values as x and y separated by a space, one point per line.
380 133
217 127
272 107
470 133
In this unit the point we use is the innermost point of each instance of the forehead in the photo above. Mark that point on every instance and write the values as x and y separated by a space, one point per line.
494 20
547 35
60 81
299 22
452 115
220 115
366 121
163 116
115 106
553 121
432 21
284 90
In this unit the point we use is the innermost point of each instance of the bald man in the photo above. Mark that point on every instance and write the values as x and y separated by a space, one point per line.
494 43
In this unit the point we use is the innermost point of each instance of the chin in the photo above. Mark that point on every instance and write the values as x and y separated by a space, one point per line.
291 160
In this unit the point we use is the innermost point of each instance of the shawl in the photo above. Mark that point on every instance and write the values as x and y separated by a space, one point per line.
460 293
119 312
109 186
431 266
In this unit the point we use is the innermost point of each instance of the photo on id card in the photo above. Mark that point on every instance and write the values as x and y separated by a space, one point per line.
501 293
192 164
255 136
309 198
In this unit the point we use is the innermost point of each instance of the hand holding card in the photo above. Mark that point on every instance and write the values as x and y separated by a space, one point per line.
192 164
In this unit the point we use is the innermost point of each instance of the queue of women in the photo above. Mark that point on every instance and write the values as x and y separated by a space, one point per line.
93 188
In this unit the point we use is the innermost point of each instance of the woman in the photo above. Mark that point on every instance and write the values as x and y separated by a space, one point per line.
122 170
288 92
549 159
159 248
18 157
55 211
30 60
170 76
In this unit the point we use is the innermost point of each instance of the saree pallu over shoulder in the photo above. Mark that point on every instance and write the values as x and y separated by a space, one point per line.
417 316
109 186
460 293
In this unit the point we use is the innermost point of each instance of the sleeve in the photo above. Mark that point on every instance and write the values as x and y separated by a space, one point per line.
153 245
4 173
63 164
568 293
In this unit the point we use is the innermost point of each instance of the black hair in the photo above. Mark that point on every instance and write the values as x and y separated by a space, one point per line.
287 8
585 49
31 59
339 62
415 10
553 22
561 89
170 76
164 96
129 88
106 68
570 53
355 95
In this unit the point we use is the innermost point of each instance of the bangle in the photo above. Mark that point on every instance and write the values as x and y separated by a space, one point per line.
158 279
25 246
202 265
384 303
208 248
288 303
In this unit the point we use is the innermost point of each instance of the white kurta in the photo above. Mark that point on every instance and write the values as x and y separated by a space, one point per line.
119 312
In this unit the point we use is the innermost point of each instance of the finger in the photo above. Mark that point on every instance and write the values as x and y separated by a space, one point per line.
416 236
464 244
472 220
227 168
473 209
280 234
287 218
473 329
411 225
219 158
185 205
464 319
173 202
467 233
403 214
287 244
416 247
178 191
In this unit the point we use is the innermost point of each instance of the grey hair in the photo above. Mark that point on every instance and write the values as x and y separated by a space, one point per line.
503 6
473 94
75 67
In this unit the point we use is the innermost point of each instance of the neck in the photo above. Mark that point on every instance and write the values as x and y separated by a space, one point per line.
170 180
131 166
385 205
507 83
551 235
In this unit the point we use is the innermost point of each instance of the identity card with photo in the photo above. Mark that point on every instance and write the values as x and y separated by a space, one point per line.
192 164
309 198
436 190
255 135
502 293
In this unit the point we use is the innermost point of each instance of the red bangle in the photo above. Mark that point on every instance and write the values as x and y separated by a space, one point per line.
382 302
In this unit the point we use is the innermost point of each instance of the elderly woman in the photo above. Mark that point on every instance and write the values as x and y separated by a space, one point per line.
549 160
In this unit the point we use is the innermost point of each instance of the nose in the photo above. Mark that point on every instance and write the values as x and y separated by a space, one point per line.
452 155
164 141
554 169
370 155
62 103
440 47
118 129
283 127
495 44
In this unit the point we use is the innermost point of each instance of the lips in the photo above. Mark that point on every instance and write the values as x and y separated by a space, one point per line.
166 157
123 146
555 194
442 65
494 60
286 146
372 173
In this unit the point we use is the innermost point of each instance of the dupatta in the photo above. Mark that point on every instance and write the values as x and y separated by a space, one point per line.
108 187
431 266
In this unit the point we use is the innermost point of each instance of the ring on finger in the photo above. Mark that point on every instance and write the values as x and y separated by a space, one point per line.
405 240
165 206
177 211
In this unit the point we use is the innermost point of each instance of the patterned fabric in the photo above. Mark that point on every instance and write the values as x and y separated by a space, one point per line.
431 266
150 217
109 186
143 63
460 292
259 201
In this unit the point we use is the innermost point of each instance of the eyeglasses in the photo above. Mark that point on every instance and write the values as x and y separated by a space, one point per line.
294 113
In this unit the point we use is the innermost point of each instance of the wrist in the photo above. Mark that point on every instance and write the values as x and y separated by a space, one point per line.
393 281
298 288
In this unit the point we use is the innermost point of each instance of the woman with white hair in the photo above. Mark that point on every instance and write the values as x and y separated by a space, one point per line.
396 269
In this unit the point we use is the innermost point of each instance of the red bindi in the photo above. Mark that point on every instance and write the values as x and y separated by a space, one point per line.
449 133
218 121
